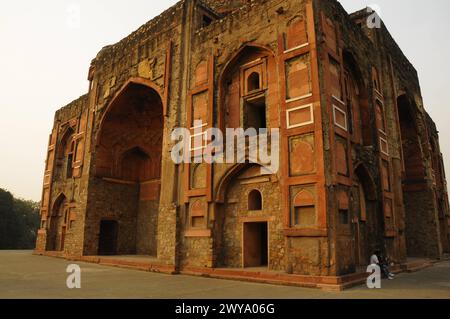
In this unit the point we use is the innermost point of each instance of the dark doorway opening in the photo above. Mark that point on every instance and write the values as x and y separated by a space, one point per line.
254 82
256 244
107 244
255 113
56 231
63 237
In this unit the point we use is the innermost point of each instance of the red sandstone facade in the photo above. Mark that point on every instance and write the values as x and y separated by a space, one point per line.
361 166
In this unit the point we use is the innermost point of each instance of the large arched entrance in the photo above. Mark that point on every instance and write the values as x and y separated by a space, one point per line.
419 200
128 172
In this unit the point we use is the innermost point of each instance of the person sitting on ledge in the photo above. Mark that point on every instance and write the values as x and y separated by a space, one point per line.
379 260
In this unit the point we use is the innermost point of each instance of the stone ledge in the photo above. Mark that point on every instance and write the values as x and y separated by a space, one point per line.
150 266
55 254
326 283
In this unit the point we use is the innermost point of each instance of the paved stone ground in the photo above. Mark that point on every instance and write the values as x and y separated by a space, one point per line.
23 275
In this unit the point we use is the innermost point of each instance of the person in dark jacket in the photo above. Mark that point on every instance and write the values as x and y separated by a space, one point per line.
378 259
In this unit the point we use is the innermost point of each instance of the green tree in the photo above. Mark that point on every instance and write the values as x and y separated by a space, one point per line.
19 222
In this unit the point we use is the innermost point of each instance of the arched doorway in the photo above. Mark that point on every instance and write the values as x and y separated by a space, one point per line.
128 172
65 154
247 87
356 100
248 220
57 225
369 231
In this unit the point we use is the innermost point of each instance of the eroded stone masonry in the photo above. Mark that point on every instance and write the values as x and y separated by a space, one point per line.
361 166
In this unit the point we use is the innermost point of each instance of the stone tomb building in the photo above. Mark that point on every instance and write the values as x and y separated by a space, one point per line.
361 166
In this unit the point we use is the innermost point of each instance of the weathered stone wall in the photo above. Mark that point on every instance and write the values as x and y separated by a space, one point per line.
69 128
264 24
343 150
385 75
226 6
144 55
196 252
191 57
147 55
418 206
147 228
308 256
440 185
112 201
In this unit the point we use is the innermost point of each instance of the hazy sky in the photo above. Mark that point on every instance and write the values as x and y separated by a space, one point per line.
46 51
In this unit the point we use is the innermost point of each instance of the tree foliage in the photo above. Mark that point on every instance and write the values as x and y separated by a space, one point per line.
19 222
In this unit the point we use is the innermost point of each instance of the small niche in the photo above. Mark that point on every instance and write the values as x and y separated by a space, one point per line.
255 200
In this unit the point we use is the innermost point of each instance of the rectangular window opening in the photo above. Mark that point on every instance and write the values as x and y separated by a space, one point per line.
69 166
255 113
343 217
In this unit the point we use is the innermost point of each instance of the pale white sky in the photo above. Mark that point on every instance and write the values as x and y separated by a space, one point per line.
46 52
